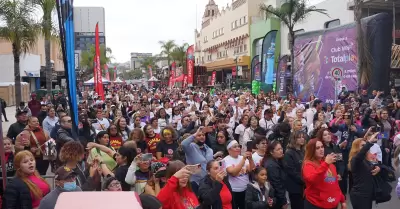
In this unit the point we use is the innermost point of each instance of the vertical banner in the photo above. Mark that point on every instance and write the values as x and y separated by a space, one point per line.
213 77
99 76
151 75
107 72
233 72
268 59
255 67
281 75
173 73
66 28
190 65
316 54
185 81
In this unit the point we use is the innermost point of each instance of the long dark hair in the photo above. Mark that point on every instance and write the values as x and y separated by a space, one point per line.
293 138
270 148
130 154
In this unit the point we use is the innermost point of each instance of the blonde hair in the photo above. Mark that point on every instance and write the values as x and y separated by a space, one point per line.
19 157
355 149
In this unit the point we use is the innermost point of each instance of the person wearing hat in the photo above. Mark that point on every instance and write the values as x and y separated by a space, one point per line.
17 127
65 181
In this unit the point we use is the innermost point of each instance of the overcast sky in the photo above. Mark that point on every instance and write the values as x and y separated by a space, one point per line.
138 25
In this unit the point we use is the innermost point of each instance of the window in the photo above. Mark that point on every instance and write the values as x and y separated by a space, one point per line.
241 49
332 23
240 21
205 39
214 35
244 20
233 25
236 23
245 47
212 12
222 30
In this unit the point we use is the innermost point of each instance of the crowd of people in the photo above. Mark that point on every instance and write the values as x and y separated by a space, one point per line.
196 148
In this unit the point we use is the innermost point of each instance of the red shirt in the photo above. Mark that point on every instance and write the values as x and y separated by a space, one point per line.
171 198
322 186
152 144
42 186
226 197
116 142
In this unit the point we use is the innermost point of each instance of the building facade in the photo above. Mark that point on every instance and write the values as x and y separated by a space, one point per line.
137 59
85 20
223 42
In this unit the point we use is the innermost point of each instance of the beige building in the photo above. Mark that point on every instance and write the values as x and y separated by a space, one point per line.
223 41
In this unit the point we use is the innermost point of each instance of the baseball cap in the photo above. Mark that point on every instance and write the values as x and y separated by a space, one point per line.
20 112
63 173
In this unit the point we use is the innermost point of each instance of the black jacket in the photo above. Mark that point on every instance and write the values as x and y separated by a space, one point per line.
361 172
209 193
277 178
15 129
17 195
293 163
340 164
256 200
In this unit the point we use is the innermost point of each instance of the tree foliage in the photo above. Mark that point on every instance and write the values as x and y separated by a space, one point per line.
87 59
167 48
21 30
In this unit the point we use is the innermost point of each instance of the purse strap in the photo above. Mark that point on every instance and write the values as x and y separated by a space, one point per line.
37 142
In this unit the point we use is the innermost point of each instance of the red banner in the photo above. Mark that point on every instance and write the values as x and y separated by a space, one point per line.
151 75
213 77
190 65
185 81
173 71
99 76
233 72
107 72
115 73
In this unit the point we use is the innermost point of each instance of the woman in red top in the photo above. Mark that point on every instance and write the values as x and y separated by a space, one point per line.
115 138
321 180
215 191
33 138
177 193
27 188
151 139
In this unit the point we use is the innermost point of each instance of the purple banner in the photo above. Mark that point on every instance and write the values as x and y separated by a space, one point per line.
281 75
316 54
256 67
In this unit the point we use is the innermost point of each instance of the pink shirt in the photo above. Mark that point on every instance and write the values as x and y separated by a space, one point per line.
42 186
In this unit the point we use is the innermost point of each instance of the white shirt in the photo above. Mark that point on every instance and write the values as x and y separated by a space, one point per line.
238 183
310 116
257 159
101 125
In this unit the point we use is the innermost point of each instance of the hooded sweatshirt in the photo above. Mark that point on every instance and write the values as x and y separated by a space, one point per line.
257 198
322 187
171 198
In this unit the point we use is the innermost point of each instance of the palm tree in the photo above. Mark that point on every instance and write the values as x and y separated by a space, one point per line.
21 31
149 61
291 13
47 7
179 54
87 59
166 49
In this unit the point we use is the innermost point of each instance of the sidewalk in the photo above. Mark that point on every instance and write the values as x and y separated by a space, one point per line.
10 112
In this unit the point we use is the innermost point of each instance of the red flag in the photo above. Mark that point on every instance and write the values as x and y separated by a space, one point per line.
151 75
214 74
173 71
107 72
190 65
115 73
99 76
233 72
185 81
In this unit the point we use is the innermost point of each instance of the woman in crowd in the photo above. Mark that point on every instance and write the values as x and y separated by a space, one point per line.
219 146
260 144
115 139
215 190
102 149
239 130
249 132
155 126
168 144
363 166
151 139
71 155
163 118
157 179
273 162
238 168
137 136
293 162
320 178
122 128
325 136
197 153
33 138
9 161
370 119
50 121
259 193
27 188
177 192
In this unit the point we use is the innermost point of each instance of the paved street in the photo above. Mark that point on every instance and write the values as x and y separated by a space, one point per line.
393 204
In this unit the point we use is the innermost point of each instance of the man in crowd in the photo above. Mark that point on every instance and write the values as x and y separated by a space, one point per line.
34 105
17 127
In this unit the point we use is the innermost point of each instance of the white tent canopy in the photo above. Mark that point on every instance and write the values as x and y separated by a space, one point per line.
153 79
91 81
118 80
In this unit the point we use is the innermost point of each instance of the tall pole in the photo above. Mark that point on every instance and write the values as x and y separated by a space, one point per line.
394 22
2 156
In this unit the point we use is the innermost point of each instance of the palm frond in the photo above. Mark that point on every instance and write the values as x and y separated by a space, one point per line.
270 11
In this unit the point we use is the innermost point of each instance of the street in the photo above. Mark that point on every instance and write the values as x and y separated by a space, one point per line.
393 204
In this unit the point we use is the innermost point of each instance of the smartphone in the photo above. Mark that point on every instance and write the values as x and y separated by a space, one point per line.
222 165
339 156
249 145
147 157
194 169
